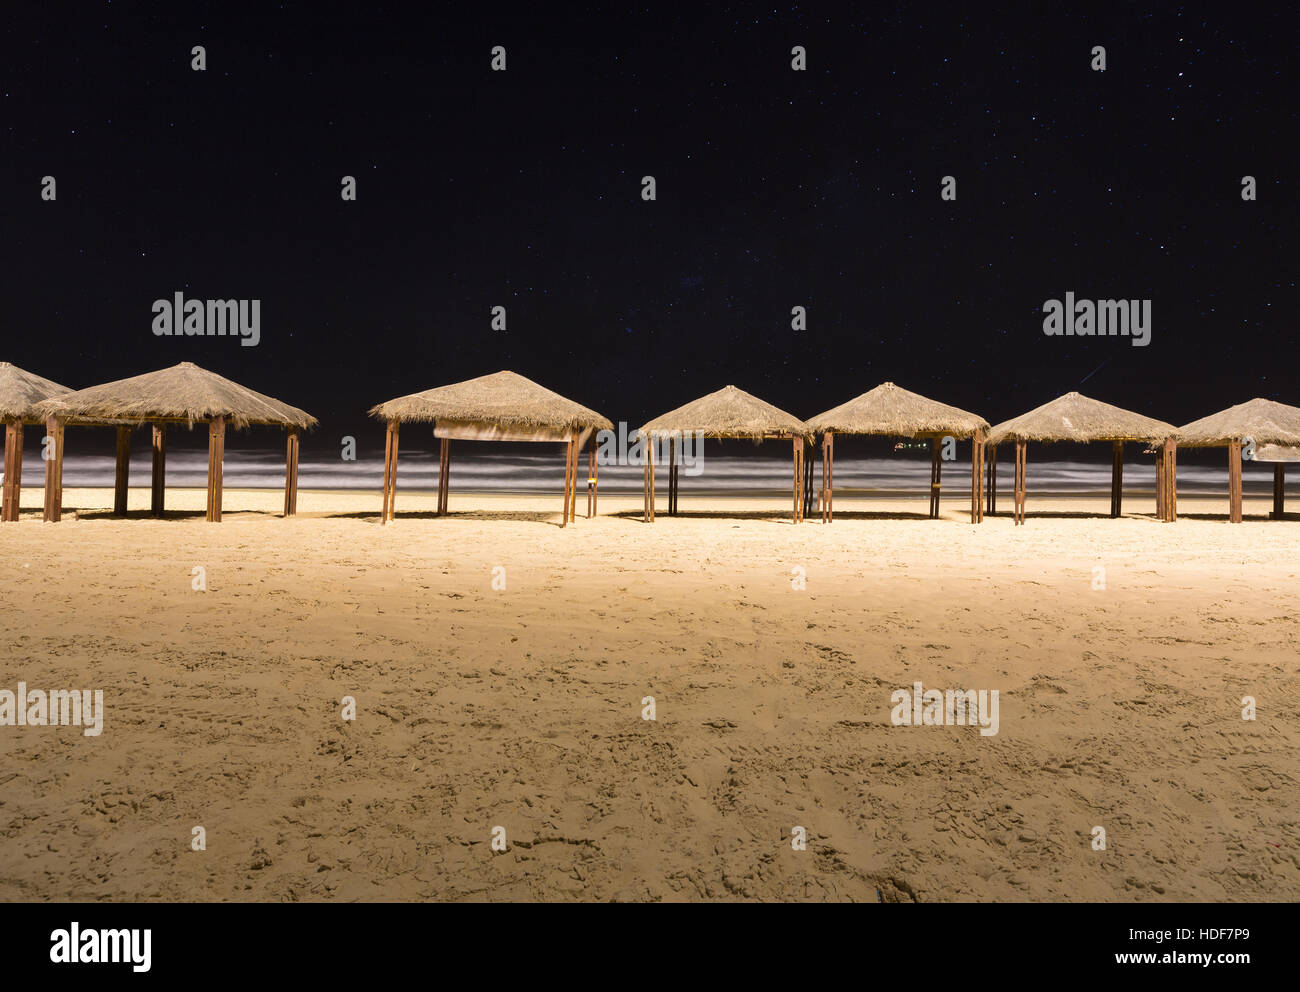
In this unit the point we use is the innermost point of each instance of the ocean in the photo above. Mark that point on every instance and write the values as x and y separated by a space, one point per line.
757 471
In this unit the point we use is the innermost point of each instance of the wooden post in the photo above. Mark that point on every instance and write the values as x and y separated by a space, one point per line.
992 501
54 472
650 474
1117 479
122 475
1279 490
390 470
593 467
216 462
9 472
573 496
291 473
444 475
1021 482
934 478
828 453
826 467
13 486
1234 482
672 476
647 479
1015 485
676 482
809 486
798 481
573 484
568 481
977 477
1171 479
1160 482
158 492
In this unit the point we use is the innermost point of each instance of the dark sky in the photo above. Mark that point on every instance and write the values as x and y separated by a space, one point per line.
776 188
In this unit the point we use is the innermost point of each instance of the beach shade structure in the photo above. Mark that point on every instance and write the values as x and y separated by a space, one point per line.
182 394
1075 417
891 411
730 413
1268 430
1278 456
20 391
504 406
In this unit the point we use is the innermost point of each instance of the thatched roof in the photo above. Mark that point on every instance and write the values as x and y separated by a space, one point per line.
20 391
183 393
1075 417
1264 421
730 412
897 412
505 399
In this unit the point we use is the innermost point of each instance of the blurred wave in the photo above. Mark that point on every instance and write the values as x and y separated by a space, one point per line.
756 472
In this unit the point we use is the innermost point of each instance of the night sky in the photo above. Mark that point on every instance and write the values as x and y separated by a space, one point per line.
775 188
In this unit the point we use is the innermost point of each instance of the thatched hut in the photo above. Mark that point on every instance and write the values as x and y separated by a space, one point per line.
504 406
182 394
730 413
1074 417
891 411
1274 429
20 391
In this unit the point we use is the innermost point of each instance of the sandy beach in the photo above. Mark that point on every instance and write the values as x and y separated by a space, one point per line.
1121 707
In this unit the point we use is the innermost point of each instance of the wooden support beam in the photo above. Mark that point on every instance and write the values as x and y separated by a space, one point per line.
10 507
1117 479
291 472
390 470
821 502
54 472
828 453
991 507
573 484
593 473
9 473
1021 487
568 482
675 477
216 465
1279 491
158 479
677 483
977 477
797 450
122 472
444 475
591 481
809 484
1160 482
650 475
1234 482
1171 480
935 462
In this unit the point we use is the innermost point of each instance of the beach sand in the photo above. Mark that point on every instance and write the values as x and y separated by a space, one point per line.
1120 707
